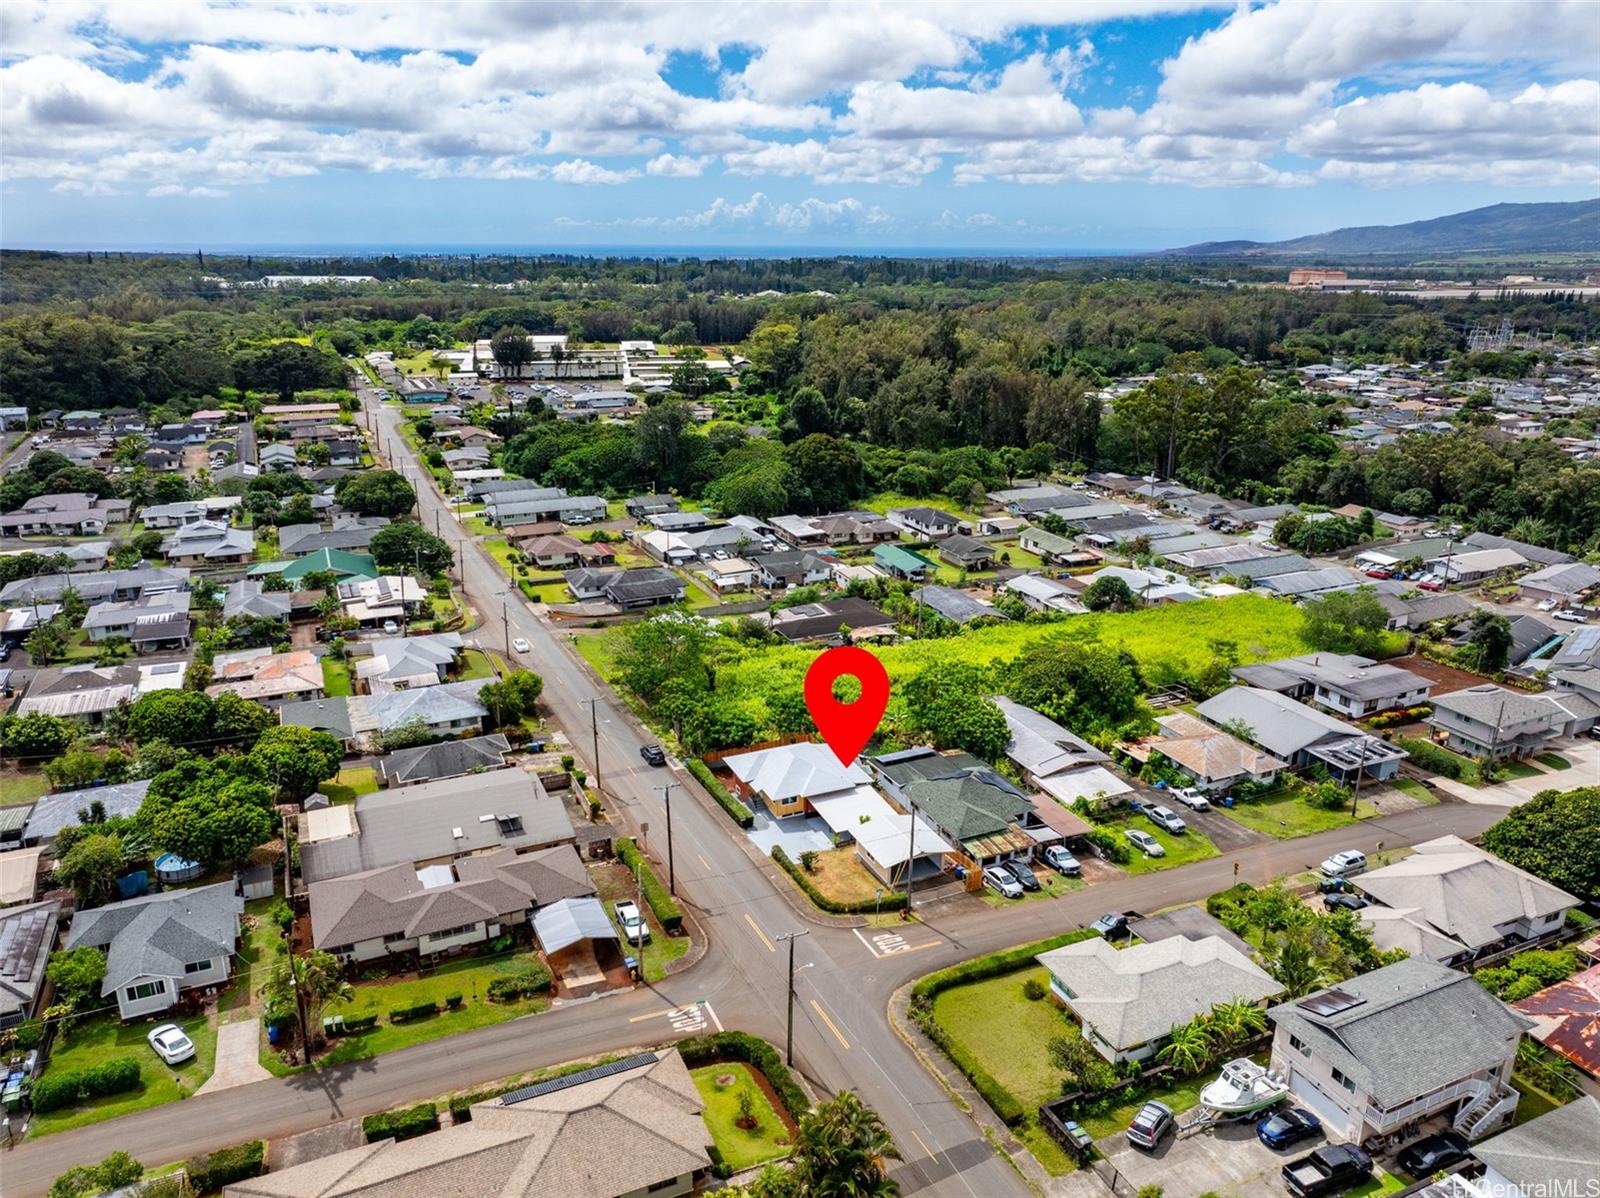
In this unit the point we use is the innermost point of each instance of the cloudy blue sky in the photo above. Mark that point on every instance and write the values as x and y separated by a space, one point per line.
1094 124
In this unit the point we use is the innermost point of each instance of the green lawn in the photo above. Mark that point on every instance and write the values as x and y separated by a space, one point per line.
599 650
742 1149
261 946
1285 815
613 883
1534 1101
468 977
1181 850
22 786
1384 1183
1415 789
475 664
994 1024
884 500
1554 760
351 781
1521 769
1180 1096
104 1037
1017 558
547 592
335 677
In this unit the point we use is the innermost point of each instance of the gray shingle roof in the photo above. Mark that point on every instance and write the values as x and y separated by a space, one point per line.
1040 745
53 812
953 604
1418 1027
156 935
447 759
1557 1153
1494 705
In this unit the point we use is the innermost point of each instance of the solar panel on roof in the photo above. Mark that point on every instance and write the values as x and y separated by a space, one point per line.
539 1089
1330 1002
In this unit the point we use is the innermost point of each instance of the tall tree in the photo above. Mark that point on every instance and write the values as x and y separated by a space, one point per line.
511 349
843 1150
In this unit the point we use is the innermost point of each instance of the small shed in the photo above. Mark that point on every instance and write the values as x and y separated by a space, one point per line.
256 882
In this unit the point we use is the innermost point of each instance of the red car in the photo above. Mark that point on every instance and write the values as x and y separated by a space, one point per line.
1377 573
1429 584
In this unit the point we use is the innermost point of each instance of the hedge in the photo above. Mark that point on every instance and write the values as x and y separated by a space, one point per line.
414 1011
753 1051
211 1171
1003 1102
403 1124
892 901
67 1088
737 811
1430 756
662 904
532 979
356 1023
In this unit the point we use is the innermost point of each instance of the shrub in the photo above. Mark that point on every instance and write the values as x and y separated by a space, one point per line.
1111 845
1033 989
1524 987
893 901
64 1088
808 860
402 1124
737 811
1431 757
452 1001
753 1051
281 914
210 1172
356 1023
662 904
414 1011
1547 966
26 1035
532 978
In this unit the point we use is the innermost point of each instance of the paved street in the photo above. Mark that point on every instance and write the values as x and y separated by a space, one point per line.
842 1035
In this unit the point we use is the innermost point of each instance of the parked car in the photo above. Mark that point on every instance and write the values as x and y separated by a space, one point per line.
1280 1129
1379 572
1432 1153
1572 616
1110 925
521 645
1151 1125
1145 843
1194 800
5 650
1020 871
1429 583
171 1044
632 922
652 755
1344 902
1332 1169
390 627
1547 605
1344 864
1001 882
1063 862
1167 818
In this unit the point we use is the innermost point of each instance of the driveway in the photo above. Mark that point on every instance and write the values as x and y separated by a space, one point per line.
795 834
1227 1159
238 1057
1227 834
1582 751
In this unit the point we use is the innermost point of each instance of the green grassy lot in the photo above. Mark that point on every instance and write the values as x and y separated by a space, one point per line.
261 946
599 650
884 500
1521 769
475 664
613 883
1007 1033
104 1037
1554 761
1285 815
349 782
1181 850
740 1148
469 977
1415 789
336 677
547 592
20 786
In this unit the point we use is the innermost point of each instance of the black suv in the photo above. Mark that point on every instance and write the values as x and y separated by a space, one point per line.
652 754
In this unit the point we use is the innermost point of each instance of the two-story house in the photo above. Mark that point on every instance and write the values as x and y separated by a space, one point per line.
1403 1043
928 522
1491 721
1339 682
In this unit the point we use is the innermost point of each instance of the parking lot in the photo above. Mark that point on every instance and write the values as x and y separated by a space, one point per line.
1228 1159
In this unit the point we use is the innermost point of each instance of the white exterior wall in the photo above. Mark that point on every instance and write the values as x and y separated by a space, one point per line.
171 987
477 934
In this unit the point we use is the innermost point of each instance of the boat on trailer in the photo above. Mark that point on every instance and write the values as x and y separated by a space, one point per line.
1243 1089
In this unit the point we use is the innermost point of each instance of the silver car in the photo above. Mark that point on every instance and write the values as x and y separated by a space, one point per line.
1166 818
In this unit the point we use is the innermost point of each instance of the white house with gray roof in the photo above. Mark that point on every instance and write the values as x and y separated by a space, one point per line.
1403 1043
1557 1153
1129 1000
1491 721
1302 735
1340 682
160 945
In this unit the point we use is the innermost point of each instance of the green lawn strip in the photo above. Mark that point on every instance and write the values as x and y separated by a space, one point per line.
1554 760
1181 850
22 786
1286 815
600 650
1006 1033
1384 1183
336 677
1521 769
1051 1156
615 883
1180 1096
741 1149
475 664
103 1038
1415 789
1051 885
548 592
351 781
261 945
468 977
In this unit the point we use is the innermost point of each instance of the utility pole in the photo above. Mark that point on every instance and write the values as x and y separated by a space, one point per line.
594 734
672 875
1361 769
911 852
294 974
788 1035
505 621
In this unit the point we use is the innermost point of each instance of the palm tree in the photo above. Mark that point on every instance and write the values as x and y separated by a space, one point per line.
1236 1020
1188 1048
319 979
841 1152
1293 962
1532 530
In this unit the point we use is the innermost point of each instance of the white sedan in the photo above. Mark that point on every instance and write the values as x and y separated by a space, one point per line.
521 646
633 924
1145 843
171 1044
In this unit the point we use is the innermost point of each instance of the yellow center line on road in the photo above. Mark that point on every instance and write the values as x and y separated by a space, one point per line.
704 862
749 919
653 1015
832 1027
921 1142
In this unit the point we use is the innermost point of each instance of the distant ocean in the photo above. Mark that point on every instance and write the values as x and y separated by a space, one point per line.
232 249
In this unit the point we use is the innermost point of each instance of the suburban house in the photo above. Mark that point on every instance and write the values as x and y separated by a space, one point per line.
629 1128
1341 682
641 506
725 575
1301 735
956 606
983 816
790 568
445 709
447 759
1403 1043
967 553
1452 902
268 678
90 693
209 543
402 662
1064 766
159 945
52 812
830 620
151 622
278 457
349 533
1556 1153
899 562
1563 583
786 779
1475 565
1044 594
927 522
856 528
374 602
1565 1016
647 586
514 506
27 934
1534 553
1129 1000
440 906
72 514
1491 721
431 822
1205 755
1415 613
341 563
173 515
551 553
1059 550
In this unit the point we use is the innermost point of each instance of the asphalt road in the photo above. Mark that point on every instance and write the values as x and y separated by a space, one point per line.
843 985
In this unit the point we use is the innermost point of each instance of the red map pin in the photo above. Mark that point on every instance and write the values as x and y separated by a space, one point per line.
847 727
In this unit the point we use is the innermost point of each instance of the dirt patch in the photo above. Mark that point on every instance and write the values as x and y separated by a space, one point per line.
840 877
1445 679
